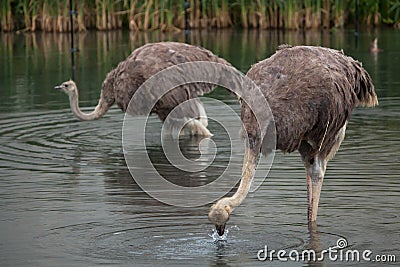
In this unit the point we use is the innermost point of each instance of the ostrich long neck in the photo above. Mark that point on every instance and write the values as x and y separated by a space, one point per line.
98 112
248 171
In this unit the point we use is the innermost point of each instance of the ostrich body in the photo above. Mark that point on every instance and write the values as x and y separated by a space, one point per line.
123 81
312 92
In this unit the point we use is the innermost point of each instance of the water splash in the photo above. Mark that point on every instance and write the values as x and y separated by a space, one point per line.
217 238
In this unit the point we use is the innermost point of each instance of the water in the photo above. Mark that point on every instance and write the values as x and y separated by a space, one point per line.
67 198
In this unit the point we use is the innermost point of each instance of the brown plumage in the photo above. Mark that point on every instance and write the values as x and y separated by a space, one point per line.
123 81
312 92
309 89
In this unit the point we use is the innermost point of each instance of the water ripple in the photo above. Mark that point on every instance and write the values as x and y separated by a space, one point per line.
65 185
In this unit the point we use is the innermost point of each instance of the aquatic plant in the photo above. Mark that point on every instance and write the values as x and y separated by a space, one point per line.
169 15
7 19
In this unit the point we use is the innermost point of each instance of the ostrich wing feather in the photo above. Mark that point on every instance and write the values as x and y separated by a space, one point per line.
311 92
144 62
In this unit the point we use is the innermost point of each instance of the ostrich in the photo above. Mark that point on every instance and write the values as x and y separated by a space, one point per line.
373 47
312 92
123 81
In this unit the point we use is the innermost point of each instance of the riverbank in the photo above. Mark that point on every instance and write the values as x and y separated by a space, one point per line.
148 15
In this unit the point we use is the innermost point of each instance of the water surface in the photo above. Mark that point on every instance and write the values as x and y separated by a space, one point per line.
67 197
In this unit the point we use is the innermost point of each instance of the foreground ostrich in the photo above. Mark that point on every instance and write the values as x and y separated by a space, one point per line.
123 81
312 92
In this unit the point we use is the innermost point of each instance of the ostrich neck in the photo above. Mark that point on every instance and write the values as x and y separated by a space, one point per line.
248 171
74 103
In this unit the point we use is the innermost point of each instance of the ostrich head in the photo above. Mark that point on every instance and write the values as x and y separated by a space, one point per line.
69 87
219 214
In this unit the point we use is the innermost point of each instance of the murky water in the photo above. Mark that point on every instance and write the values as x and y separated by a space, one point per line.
67 197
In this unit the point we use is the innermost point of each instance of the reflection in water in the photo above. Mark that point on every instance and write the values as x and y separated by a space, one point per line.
67 198
189 147
27 55
315 243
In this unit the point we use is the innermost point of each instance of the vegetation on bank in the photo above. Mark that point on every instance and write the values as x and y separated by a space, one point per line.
169 15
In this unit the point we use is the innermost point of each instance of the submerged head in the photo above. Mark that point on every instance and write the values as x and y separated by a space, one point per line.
69 87
219 215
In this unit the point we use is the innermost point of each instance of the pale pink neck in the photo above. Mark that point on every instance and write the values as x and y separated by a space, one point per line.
94 115
248 171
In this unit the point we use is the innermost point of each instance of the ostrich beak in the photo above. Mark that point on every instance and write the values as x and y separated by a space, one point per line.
220 229
58 87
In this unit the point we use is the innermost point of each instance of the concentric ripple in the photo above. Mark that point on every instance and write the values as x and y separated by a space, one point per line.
43 141
165 238
67 198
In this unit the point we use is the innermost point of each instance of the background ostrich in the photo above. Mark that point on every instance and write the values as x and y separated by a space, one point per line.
373 47
123 81
311 92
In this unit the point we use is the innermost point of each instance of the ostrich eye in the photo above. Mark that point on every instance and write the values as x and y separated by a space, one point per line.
65 85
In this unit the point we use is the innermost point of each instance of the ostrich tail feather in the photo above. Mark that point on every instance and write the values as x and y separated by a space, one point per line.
364 87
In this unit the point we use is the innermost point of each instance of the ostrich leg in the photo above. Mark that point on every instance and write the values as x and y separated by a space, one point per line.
315 176
315 168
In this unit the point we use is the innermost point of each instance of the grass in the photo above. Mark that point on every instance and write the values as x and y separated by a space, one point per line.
168 15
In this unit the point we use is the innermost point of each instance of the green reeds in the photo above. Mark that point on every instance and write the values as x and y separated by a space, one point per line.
394 11
339 13
168 15
7 19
